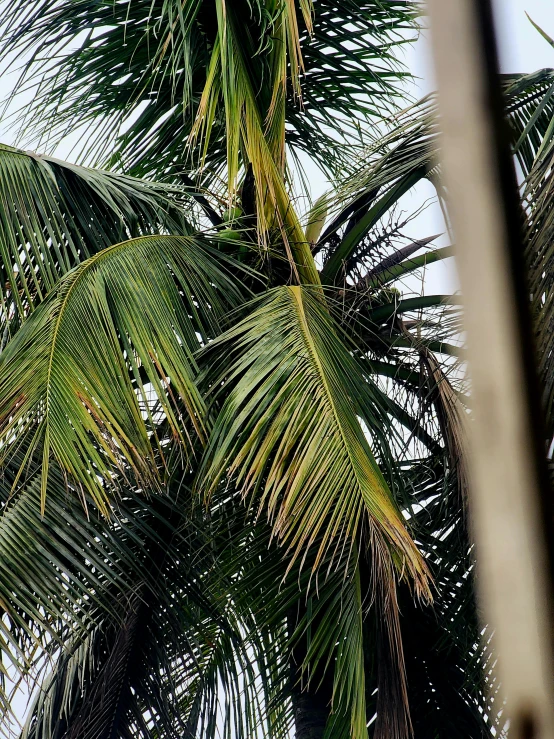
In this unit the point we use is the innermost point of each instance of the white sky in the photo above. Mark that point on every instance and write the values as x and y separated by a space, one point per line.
521 48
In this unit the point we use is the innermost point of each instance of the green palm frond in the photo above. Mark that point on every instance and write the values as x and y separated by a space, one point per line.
389 169
534 129
230 96
340 634
317 635
149 64
288 432
152 643
54 215
33 578
60 709
332 635
543 33
140 677
64 572
321 424
125 626
159 646
108 351
446 655
409 152
530 106
446 663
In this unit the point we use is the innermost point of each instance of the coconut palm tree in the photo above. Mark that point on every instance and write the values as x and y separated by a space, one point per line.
231 445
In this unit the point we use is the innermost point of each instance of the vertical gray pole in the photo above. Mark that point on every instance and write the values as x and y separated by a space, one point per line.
510 519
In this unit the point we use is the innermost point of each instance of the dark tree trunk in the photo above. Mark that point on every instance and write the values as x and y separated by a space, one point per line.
311 703
310 714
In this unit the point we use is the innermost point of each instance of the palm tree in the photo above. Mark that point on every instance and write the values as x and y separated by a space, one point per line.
231 448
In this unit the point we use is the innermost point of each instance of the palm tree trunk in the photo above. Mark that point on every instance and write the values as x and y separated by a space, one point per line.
310 714
311 703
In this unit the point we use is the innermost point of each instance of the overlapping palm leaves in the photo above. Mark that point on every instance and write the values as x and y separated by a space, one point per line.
100 381
122 620
81 395
55 215
319 416
251 123
288 431
151 332
304 63
532 125
213 85
410 152
152 345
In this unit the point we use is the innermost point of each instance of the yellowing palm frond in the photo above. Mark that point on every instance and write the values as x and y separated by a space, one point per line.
288 434
89 375
144 63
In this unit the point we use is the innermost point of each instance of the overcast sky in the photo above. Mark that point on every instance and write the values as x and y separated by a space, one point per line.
521 48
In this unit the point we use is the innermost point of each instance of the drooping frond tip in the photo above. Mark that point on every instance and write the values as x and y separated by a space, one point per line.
102 375
289 436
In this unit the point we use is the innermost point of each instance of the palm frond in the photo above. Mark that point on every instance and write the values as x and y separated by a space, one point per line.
340 634
288 432
124 627
409 152
54 215
166 618
66 573
164 668
145 67
82 377
446 662
535 151
543 33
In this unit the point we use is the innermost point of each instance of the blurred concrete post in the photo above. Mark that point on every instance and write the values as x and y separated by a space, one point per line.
510 512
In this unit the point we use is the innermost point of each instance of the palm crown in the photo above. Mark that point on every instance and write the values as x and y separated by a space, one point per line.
232 450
